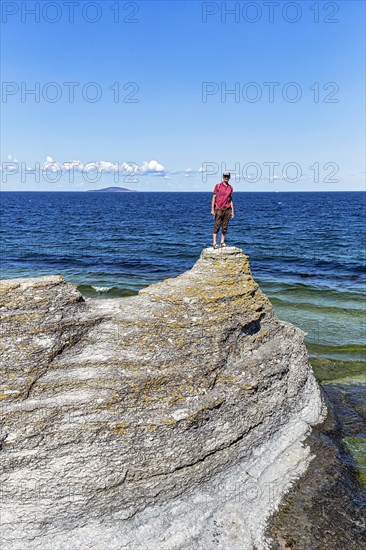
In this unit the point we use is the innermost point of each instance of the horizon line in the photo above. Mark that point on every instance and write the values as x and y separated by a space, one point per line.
138 191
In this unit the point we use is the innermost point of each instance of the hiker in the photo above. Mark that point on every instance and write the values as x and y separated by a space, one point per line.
223 202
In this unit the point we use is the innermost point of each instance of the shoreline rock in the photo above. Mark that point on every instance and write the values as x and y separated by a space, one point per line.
161 419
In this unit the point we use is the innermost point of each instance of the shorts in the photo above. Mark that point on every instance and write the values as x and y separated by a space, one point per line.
222 217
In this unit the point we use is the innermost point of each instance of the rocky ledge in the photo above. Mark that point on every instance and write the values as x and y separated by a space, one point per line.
172 419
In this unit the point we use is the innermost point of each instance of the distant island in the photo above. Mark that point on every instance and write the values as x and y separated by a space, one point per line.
112 190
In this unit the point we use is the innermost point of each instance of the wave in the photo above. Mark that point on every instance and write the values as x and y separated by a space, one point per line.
101 288
319 308
347 352
96 291
358 380
302 290
344 348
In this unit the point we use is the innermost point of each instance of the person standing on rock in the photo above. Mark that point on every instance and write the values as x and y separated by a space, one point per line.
223 202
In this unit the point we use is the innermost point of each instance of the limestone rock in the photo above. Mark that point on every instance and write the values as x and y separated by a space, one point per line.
172 419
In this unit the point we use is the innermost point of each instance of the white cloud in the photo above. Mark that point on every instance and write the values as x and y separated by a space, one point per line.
130 168
11 164
151 167
146 168
50 165
105 166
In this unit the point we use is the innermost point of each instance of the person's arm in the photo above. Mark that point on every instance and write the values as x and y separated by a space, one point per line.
213 205
213 202
232 209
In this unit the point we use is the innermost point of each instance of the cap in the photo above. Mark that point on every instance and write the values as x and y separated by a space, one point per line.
226 174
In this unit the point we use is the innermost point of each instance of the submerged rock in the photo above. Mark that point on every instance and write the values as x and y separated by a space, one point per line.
172 419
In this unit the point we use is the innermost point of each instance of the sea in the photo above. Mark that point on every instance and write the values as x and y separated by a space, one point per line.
306 251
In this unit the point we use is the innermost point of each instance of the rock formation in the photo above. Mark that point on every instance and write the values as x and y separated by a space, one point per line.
172 419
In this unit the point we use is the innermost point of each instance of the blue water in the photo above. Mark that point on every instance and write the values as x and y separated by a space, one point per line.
128 240
306 250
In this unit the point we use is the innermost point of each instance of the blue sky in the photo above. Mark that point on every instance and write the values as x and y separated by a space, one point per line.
173 128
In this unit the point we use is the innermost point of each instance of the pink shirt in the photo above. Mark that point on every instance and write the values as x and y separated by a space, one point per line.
223 195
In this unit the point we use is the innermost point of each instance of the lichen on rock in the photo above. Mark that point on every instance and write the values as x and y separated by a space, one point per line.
148 421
